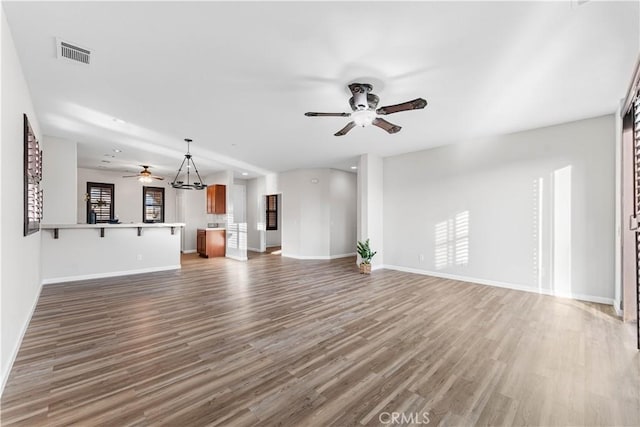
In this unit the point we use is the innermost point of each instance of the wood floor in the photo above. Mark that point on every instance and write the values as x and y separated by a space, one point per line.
277 341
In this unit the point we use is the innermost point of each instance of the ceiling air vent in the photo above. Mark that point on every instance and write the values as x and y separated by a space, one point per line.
73 52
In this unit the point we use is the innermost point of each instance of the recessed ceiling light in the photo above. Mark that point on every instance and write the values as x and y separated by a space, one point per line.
245 173
110 155
117 150
354 167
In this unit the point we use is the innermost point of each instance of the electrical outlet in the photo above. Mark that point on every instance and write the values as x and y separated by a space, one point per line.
139 257
421 257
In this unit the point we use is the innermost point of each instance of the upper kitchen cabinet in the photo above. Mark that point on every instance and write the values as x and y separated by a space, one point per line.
216 199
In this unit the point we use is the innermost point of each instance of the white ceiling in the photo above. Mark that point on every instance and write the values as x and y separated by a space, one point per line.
238 77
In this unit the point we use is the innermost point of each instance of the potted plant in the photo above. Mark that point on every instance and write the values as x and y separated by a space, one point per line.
365 252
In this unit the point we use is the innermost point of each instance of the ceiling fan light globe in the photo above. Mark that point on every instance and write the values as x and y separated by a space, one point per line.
363 117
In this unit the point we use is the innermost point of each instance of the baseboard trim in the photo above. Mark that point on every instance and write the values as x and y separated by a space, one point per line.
317 257
580 297
342 255
16 349
617 306
254 250
237 258
189 251
109 274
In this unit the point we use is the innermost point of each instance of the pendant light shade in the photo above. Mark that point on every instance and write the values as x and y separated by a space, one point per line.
184 182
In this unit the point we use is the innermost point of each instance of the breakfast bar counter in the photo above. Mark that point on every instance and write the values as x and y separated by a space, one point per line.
137 225
89 251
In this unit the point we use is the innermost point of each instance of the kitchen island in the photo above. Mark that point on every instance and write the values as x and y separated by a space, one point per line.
90 251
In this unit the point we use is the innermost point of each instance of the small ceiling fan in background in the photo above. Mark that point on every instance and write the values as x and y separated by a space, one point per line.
144 175
364 103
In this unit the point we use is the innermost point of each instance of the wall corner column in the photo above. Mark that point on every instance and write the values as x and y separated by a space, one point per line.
370 204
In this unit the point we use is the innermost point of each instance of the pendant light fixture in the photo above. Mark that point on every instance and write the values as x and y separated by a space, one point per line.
187 185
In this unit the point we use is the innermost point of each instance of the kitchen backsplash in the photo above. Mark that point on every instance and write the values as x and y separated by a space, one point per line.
215 220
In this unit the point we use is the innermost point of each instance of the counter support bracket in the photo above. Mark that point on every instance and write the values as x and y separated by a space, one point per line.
55 228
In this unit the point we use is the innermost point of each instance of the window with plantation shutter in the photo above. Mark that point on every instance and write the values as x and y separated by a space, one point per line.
636 205
100 200
152 204
630 206
272 212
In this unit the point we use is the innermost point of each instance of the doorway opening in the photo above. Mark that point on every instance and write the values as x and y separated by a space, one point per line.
273 224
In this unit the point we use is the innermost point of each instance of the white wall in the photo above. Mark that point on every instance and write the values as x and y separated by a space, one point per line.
59 181
194 211
20 255
309 196
342 199
236 221
532 210
255 214
239 201
128 200
305 210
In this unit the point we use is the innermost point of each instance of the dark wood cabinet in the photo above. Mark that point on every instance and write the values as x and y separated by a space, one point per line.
211 243
201 242
216 199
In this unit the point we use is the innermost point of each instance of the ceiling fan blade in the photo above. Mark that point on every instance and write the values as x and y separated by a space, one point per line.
311 114
158 178
416 104
345 129
130 176
383 124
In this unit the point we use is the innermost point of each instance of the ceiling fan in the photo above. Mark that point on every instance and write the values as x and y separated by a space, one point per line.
364 103
144 175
